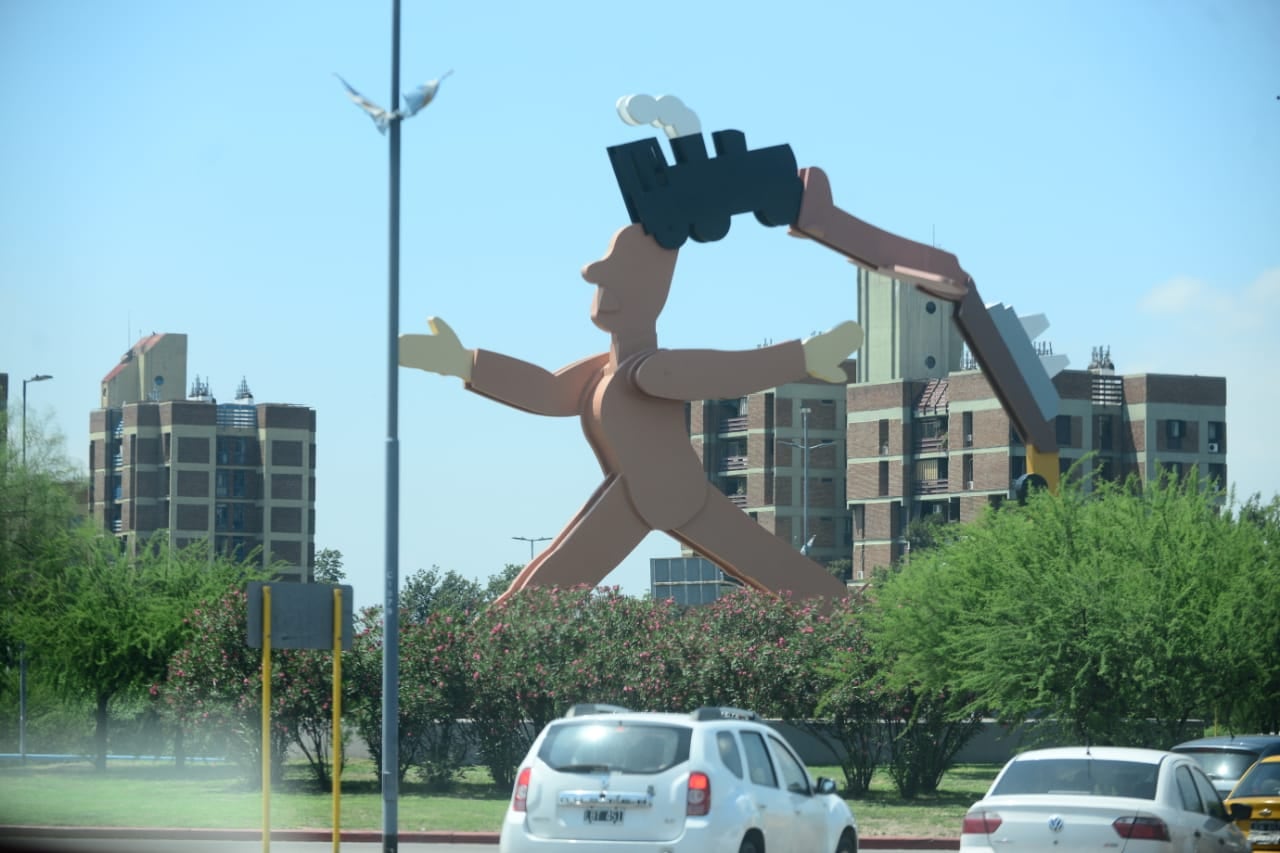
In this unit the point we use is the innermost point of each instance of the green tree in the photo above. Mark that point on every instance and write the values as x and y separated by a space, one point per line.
328 568
855 702
38 514
1089 609
109 622
427 591
1243 631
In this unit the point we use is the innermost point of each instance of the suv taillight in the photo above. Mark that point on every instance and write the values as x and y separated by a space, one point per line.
520 799
698 802
1146 828
980 823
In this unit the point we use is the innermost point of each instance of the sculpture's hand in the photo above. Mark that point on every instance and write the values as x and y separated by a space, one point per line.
439 352
824 352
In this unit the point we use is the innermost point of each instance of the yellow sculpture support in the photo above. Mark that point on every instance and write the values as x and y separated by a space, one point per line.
266 719
337 718
1044 464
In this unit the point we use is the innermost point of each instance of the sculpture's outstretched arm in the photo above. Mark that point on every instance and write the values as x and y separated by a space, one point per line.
932 270
508 380
939 274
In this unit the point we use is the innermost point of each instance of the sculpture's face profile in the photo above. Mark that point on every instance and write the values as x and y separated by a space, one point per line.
633 279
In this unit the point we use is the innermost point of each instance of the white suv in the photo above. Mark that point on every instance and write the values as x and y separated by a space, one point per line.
718 780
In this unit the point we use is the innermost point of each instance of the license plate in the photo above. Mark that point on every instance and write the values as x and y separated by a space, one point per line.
603 816
1265 826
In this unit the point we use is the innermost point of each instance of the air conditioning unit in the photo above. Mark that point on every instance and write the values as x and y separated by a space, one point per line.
969 485
1214 447
968 438
884 450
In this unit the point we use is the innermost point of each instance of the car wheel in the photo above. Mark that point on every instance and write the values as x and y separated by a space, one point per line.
845 844
748 846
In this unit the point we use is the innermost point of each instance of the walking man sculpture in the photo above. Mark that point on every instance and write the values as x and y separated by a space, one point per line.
631 404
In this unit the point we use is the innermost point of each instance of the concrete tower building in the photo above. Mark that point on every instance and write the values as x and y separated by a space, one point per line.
240 475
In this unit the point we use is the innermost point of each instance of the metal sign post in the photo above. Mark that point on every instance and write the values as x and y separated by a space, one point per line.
300 616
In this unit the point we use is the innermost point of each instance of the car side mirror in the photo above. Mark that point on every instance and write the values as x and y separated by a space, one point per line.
1241 811
828 786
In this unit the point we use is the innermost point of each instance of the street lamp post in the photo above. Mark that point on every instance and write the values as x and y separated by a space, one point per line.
22 647
388 121
531 540
39 377
804 446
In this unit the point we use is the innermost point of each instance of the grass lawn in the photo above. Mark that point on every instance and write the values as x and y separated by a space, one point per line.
150 795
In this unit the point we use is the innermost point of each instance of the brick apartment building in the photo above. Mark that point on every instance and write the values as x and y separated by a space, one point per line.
920 431
239 474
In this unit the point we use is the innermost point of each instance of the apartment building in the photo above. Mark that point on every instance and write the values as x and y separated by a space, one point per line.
240 474
927 435
920 432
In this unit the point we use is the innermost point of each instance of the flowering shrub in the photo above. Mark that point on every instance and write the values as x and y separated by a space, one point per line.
215 683
435 692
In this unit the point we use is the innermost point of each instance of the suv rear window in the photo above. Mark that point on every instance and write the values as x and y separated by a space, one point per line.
593 746
1086 776
1221 763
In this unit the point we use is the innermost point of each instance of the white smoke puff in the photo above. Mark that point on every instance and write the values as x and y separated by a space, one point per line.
666 112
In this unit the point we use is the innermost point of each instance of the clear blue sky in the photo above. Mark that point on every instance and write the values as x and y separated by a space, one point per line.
195 167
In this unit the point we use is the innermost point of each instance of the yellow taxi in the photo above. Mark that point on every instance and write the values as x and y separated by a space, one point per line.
1254 803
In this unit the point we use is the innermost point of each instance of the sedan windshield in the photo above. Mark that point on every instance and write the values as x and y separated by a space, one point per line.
599 747
1081 776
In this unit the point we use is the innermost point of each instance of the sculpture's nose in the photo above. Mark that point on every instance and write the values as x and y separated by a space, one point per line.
594 272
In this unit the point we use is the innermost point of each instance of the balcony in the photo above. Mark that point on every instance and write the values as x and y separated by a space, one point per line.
930 487
740 501
733 463
738 424
934 444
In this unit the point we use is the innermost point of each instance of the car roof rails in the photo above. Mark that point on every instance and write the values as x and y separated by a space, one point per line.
716 712
584 708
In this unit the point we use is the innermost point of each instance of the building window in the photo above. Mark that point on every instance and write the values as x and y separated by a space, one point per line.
1173 431
1105 437
1063 427
1217 437
967 425
884 437
884 480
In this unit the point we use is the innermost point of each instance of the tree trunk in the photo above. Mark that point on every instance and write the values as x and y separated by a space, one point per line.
100 733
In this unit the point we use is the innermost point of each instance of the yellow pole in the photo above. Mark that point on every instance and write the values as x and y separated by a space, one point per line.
337 718
1044 464
266 719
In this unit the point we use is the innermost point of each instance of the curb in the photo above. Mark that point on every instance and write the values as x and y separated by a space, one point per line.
359 836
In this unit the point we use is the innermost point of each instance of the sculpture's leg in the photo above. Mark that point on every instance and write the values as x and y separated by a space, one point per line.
598 538
729 537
